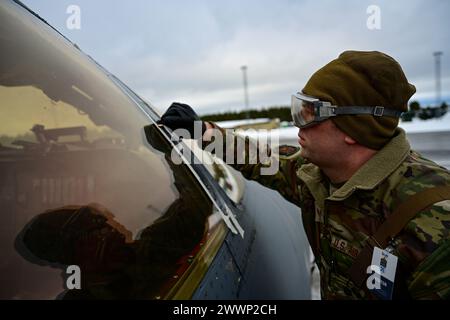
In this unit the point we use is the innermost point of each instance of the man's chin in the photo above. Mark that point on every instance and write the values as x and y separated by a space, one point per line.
303 152
306 155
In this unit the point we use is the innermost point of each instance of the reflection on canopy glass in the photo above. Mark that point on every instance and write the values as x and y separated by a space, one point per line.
79 183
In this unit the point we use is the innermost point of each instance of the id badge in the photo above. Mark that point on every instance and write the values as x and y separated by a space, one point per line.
384 266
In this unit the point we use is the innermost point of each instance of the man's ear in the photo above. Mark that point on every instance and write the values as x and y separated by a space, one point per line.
349 140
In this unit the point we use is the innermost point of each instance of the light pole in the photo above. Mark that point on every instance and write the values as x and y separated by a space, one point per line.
244 73
437 61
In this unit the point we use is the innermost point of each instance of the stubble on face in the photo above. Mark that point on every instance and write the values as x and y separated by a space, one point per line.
321 144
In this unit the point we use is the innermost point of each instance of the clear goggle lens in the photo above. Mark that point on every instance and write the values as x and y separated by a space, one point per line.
304 111
307 111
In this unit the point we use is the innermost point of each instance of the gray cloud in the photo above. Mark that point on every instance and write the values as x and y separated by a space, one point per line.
192 51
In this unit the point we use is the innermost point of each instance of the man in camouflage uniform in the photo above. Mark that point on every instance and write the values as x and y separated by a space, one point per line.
353 173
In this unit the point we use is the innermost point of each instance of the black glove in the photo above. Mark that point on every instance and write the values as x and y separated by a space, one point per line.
156 139
181 116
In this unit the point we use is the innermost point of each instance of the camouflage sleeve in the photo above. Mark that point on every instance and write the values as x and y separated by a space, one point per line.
275 169
431 278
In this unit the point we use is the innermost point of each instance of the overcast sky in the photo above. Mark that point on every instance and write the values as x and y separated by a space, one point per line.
192 51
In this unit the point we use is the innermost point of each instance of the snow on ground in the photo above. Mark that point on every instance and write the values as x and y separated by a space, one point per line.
429 137
290 133
234 123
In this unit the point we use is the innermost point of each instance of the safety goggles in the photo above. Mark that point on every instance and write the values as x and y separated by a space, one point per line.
308 111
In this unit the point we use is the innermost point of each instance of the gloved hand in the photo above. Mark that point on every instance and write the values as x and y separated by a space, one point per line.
181 116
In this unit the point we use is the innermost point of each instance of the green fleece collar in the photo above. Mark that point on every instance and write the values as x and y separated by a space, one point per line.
374 171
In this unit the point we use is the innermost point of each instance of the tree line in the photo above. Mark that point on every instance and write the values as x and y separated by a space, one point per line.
424 113
281 112
284 113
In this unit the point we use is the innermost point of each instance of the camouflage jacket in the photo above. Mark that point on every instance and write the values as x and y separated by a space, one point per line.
339 221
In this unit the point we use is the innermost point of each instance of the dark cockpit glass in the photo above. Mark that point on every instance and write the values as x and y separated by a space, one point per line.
79 183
